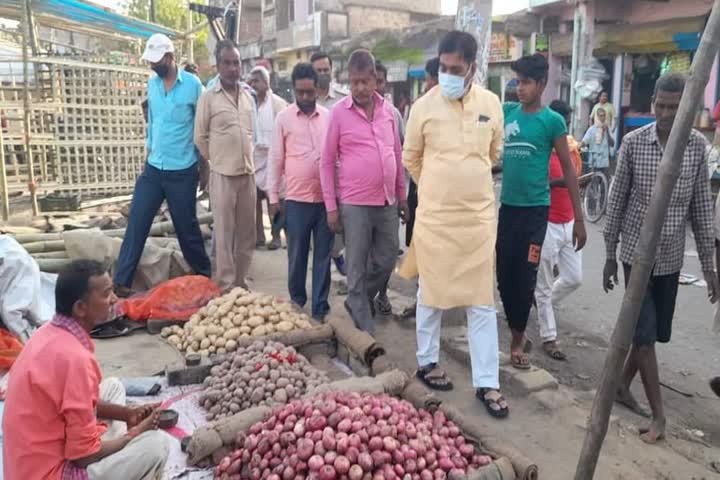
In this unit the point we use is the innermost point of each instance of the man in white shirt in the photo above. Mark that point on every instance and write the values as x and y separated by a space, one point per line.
269 105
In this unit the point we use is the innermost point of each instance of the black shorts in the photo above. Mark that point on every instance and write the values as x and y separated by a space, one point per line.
658 308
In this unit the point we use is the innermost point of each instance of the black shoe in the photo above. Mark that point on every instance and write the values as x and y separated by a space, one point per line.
340 265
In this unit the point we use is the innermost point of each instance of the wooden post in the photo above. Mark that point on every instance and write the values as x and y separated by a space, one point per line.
644 259
475 17
27 38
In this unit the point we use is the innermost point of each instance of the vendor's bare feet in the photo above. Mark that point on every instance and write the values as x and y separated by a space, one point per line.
653 433
624 397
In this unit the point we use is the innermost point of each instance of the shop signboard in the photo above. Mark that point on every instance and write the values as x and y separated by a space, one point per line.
542 44
504 48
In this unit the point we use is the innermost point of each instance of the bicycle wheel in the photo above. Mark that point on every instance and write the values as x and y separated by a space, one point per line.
595 199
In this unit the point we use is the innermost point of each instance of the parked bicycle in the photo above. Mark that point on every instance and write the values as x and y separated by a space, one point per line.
596 187
595 195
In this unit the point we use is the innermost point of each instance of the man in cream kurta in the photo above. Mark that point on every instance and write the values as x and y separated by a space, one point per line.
454 135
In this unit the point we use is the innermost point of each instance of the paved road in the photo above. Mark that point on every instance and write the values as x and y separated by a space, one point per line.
586 321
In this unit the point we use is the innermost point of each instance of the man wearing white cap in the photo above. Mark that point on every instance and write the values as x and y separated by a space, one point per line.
171 173
269 105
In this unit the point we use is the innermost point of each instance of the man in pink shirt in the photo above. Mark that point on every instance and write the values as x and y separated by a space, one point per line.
54 398
362 156
295 154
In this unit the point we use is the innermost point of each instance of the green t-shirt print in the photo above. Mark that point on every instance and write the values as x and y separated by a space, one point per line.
529 140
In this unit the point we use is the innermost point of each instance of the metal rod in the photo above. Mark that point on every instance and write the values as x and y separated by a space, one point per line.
27 26
190 39
237 22
3 180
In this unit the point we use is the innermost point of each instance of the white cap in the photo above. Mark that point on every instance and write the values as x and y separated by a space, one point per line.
156 48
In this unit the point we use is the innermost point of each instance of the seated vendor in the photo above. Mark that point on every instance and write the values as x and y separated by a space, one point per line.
60 420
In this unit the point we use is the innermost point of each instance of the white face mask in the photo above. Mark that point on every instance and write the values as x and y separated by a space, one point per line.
453 86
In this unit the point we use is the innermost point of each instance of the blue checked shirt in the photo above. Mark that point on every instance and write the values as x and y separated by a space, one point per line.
171 120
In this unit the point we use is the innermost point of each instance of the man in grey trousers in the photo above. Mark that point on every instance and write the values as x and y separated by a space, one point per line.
361 164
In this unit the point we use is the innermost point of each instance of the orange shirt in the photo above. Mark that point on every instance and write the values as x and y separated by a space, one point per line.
50 409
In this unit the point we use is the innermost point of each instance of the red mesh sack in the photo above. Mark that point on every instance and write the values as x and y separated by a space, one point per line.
10 348
175 299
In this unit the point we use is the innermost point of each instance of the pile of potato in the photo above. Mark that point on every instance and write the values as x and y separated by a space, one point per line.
216 327
264 373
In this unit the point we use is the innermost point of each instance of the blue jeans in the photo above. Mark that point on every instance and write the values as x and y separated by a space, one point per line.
302 221
153 186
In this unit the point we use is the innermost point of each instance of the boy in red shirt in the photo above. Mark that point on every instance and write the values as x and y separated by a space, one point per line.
558 248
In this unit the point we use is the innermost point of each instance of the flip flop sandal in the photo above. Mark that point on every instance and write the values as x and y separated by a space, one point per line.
498 412
520 361
553 351
109 330
715 385
425 375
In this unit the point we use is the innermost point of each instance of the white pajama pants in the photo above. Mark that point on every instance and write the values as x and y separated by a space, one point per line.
482 339
141 459
557 250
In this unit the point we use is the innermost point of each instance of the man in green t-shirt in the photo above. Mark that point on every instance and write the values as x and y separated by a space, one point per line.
531 132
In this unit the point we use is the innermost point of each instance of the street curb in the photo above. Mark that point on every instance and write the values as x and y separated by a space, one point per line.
455 344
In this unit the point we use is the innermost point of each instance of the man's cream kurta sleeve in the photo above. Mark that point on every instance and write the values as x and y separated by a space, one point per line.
496 146
414 143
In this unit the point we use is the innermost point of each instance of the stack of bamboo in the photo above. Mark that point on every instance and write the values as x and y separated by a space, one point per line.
48 249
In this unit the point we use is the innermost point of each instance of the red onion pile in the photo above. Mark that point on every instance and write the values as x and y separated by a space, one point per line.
351 436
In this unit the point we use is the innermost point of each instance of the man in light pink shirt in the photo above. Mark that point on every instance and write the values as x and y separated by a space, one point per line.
295 154
362 156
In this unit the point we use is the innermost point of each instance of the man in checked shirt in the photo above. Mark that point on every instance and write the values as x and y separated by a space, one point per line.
691 200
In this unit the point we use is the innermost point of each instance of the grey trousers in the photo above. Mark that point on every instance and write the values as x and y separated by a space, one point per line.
371 247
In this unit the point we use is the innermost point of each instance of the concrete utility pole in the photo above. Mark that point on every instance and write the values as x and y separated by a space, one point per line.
475 17
644 257
578 60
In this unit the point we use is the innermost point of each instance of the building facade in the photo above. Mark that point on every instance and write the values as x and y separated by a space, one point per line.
630 43
291 30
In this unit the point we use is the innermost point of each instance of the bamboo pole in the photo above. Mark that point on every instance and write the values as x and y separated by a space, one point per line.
159 228
27 34
644 258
